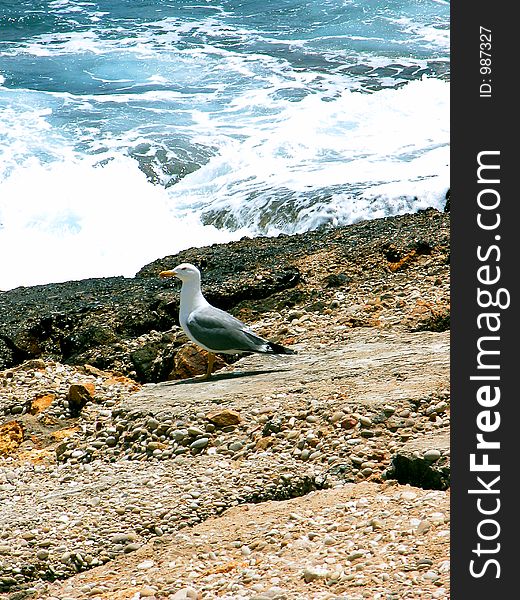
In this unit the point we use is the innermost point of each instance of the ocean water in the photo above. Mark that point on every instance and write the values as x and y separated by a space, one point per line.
132 129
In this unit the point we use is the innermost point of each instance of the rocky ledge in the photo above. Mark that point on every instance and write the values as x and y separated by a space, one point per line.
120 478
130 325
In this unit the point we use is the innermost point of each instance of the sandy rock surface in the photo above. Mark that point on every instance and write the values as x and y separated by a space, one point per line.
358 541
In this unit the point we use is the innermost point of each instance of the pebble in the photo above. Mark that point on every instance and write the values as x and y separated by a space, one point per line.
311 573
180 434
194 431
349 423
432 455
146 564
423 527
377 523
337 416
366 433
437 518
200 443
236 446
329 540
305 454
186 594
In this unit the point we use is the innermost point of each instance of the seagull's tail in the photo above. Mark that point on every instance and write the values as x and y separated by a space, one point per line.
275 348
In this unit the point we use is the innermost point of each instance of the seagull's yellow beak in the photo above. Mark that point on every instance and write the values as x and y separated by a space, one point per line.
167 274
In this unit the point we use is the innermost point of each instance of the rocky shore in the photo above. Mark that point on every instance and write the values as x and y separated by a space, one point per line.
319 475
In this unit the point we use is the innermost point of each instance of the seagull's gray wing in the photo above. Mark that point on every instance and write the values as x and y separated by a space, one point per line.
221 332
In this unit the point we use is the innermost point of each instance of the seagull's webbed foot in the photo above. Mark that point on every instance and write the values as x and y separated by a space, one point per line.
211 362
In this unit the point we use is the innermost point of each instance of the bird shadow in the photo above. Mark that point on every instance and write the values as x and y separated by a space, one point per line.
226 376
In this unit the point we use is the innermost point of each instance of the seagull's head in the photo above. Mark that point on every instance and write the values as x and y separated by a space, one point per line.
184 271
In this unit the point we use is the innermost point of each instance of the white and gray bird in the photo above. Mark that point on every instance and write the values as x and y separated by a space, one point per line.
212 328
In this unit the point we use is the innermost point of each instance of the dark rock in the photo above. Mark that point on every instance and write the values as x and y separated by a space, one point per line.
437 321
78 396
391 253
273 425
6 354
148 363
410 466
422 247
337 280
64 321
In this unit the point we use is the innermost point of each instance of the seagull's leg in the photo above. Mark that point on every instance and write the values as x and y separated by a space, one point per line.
211 361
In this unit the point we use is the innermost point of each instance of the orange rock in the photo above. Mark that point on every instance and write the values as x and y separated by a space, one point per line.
90 370
11 436
224 417
225 568
264 443
190 360
121 379
403 262
40 403
62 434
37 456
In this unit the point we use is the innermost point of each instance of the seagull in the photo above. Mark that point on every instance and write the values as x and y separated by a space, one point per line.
211 328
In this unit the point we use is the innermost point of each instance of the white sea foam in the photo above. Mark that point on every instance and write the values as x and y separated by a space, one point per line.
356 142
355 157
73 220
433 35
